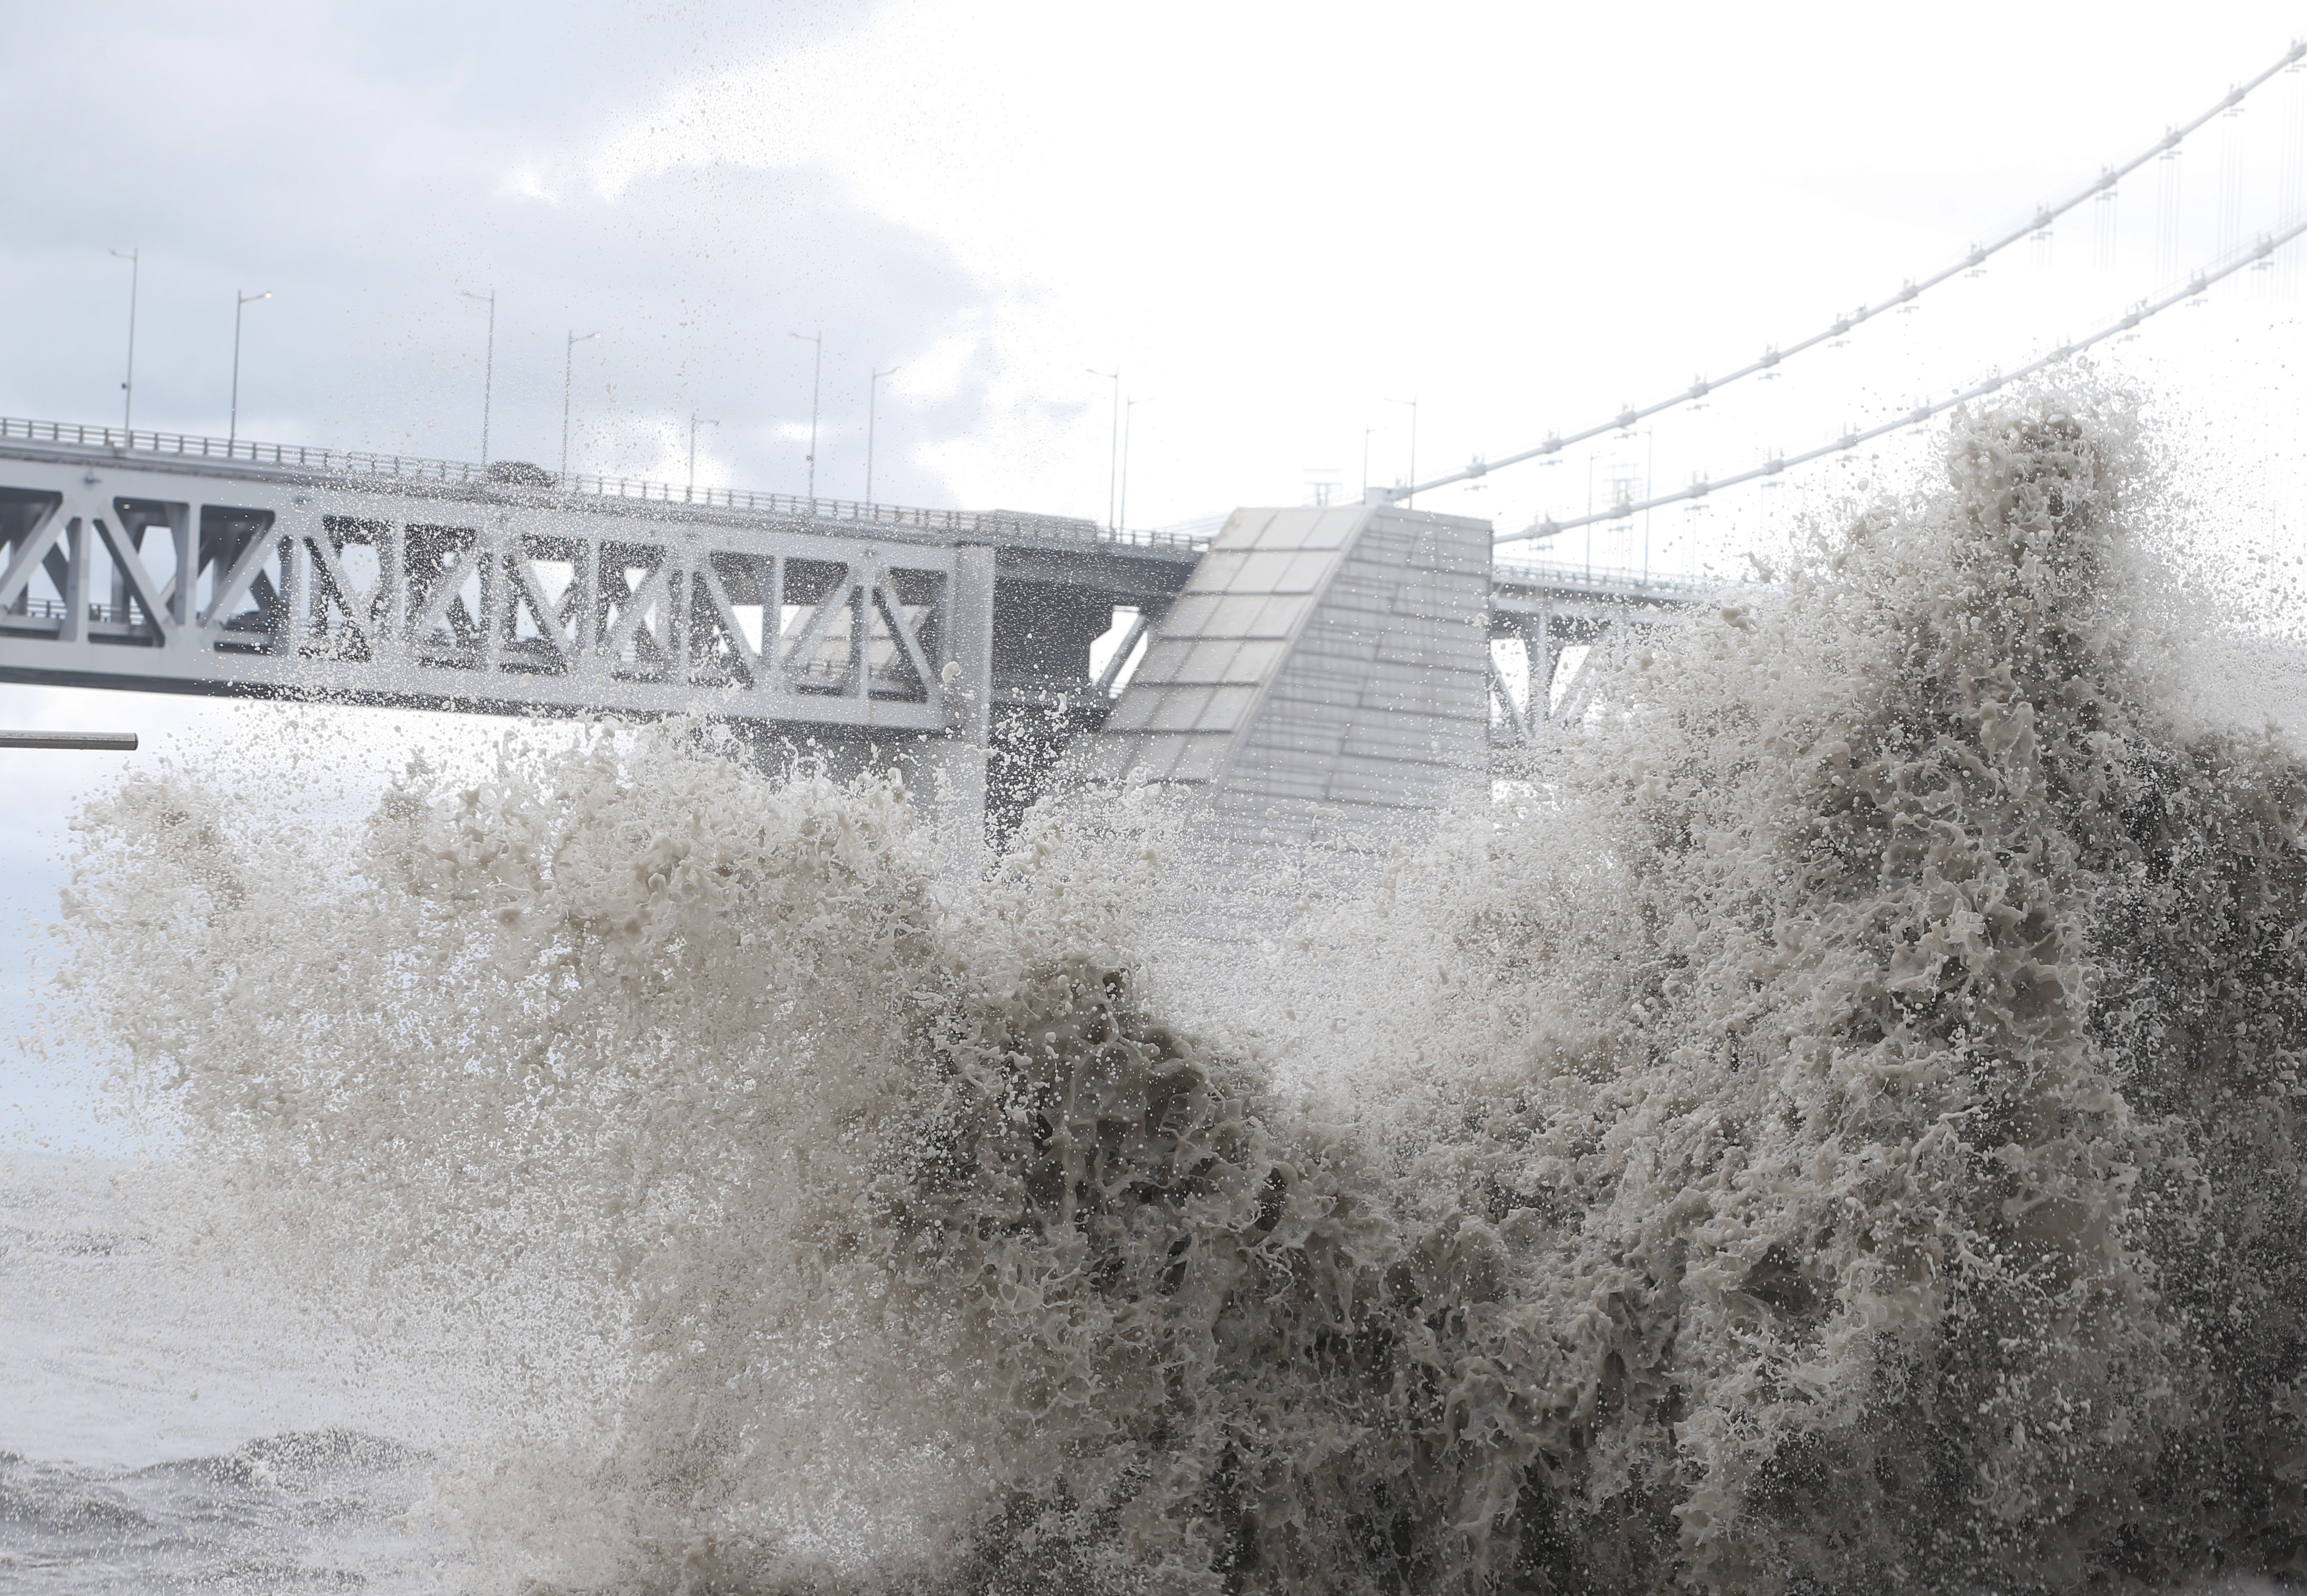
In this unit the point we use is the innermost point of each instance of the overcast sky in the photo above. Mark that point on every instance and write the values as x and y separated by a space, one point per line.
1274 220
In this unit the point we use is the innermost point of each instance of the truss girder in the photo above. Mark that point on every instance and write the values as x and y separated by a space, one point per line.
1549 619
126 577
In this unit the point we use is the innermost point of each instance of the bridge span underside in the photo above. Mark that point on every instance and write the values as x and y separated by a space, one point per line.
856 642
1323 673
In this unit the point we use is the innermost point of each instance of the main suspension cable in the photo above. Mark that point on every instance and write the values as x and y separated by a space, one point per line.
2195 287
1773 356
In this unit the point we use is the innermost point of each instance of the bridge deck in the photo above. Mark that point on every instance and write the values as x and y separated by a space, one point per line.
171 562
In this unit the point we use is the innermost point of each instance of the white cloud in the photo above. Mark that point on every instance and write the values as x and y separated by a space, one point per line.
529 180
1272 216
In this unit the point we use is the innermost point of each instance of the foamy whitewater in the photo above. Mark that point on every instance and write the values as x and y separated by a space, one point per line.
1837 1134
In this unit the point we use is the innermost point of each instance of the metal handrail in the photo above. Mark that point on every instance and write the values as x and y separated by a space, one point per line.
352 462
1603 578
56 609
195 446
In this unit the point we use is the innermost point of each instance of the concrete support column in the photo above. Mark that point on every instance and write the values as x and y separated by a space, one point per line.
78 538
182 630
496 599
1540 647
288 616
392 576
585 640
954 763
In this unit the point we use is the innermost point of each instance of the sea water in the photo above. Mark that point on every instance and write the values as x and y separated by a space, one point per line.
1836 1128
159 1435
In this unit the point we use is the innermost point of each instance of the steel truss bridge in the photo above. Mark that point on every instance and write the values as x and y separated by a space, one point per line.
158 561
1312 671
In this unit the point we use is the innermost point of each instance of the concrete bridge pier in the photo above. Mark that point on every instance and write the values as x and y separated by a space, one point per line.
1319 690
949 770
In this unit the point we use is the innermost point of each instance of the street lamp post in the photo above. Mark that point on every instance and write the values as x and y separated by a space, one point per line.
872 401
232 429
568 379
128 386
1113 445
694 422
488 364
816 370
93 741
1412 497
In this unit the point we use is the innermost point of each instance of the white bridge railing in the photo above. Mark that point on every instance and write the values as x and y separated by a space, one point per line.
1617 581
1001 526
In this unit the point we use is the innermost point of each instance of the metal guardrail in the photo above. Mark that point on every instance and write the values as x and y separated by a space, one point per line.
1007 525
344 462
54 609
1603 578
1010 526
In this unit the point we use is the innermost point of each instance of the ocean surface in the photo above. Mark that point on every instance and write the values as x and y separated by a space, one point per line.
157 1434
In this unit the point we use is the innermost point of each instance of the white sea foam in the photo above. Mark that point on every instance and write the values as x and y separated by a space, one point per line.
1841 1137
156 1433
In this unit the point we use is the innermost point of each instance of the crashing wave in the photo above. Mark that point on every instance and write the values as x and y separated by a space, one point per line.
1843 1138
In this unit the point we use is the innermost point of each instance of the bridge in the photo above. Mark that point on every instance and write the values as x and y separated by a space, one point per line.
1317 672
955 644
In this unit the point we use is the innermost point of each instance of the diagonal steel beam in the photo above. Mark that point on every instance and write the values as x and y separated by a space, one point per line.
30 552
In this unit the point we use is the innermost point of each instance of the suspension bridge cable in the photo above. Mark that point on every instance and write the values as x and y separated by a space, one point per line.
1911 289
2195 287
